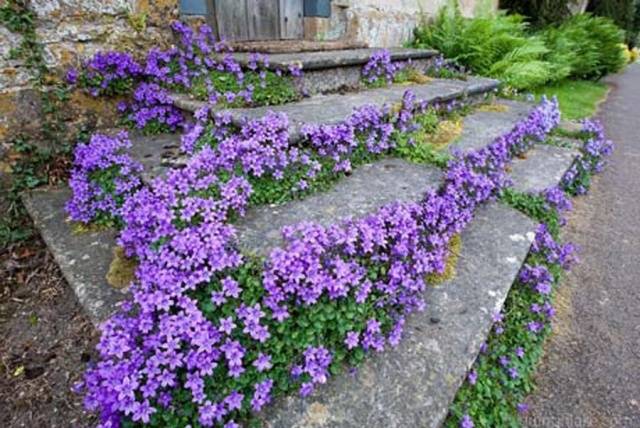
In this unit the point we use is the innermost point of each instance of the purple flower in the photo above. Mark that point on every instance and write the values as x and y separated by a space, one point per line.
352 340
466 422
472 377
263 362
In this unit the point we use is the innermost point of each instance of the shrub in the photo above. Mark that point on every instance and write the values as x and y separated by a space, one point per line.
502 46
625 13
588 46
497 46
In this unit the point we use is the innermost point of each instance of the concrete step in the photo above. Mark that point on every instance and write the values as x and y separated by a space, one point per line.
542 168
366 190
330 109
333 70
481 128
293 45
156 153
83 258
414 384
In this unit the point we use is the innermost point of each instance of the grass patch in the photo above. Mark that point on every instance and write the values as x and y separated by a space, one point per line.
578 98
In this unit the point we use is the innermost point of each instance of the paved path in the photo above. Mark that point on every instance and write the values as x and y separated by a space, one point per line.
590 376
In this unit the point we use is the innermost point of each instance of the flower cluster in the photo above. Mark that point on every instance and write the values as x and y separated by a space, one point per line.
107 73
198 63
591 161
153 107
380 68
201 311
518 332
556 200
103 177
445 69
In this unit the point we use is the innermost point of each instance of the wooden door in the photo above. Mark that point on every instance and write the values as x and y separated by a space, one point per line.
258 19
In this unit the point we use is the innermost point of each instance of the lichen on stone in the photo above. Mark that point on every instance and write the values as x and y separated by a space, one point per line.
449 273
493 107
79 228
447 132
122 269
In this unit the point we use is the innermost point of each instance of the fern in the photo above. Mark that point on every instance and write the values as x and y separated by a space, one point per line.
503 46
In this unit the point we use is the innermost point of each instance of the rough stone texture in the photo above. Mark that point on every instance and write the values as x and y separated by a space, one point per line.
481 128
292 45
414 384
543 167
368 188
84 258
157 153
337 58
391 22
589 375
316 109
333 70
71 31
322 81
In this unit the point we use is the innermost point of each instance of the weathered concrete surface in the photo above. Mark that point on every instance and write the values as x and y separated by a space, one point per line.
542 168
328 109
336 58
414 384
83 258
481 128
157 153
589 376
337 70
368 188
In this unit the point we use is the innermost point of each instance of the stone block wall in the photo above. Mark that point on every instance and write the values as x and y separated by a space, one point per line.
71 31
387 23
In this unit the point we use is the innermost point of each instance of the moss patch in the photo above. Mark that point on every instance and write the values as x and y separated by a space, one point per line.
446 132
122 270
79 228
455 246
493 107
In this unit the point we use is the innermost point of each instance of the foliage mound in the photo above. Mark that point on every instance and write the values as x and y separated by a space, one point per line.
504 47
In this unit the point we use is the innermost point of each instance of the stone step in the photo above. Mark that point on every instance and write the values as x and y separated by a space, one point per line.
335 70
331 109
481 128
328 59
414 384
293 45
83 258
367 189
542 168
156 153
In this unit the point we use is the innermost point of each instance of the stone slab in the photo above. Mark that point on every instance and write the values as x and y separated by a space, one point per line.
481 128
334 108
157 153
542 168
368 188
84 258
336 58
295 45
414 384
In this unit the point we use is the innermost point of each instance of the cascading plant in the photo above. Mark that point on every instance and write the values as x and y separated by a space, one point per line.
210 335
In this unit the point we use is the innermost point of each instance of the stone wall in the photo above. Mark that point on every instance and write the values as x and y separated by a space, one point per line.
386 23
73 30
70 31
